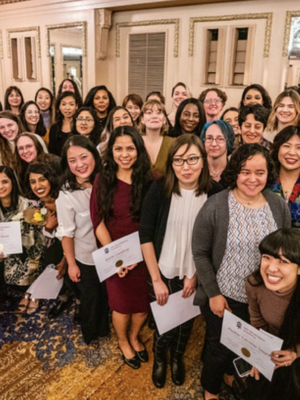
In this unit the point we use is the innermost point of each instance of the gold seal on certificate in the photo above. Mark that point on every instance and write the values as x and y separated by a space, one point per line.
119 263
1 247
246 352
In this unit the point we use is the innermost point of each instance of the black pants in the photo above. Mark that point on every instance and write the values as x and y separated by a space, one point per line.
217 359
93 303
177 338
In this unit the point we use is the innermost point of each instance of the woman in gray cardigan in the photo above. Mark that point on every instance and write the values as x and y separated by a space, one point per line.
227 232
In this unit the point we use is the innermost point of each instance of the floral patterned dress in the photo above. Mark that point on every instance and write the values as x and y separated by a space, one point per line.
23 269
293 201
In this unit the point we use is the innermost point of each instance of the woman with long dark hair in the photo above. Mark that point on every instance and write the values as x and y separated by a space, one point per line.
46 103
87 123
66 106
32 120
273 293
80 163
69 85
116 203
101 99
190 118
13 99
256 94
169 211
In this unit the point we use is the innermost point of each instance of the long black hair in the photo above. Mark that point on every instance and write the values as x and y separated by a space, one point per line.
76 91
59 116
177 130
141 175
68 179
282 137
95 134
15 188
9 90
286 242
89 100
40 128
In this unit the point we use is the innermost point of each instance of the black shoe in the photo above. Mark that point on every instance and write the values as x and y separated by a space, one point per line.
133 362
59 308
177 370
77 313
159 373
142 355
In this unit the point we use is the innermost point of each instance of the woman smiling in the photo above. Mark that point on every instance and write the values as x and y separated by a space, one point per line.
190 118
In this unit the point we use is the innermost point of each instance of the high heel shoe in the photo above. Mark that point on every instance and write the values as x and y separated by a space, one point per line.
32 306
133 362
22 306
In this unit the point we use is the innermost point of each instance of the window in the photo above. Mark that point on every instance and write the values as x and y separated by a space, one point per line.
15 58
240 56
212 49
146 63
30 56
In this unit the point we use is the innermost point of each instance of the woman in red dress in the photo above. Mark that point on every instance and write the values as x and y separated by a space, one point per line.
115 210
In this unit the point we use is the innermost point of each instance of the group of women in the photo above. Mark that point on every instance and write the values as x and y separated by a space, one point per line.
215 203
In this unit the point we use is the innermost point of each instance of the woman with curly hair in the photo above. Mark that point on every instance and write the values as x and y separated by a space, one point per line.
190 118
100 99
46 103
273 293
227 232
256 94
286 156
66 106
13 99
154 128
32 120
213 100
285 112
116 203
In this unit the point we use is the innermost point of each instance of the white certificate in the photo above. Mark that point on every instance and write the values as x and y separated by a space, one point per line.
10 238
175 312
46 286
249 343
118 254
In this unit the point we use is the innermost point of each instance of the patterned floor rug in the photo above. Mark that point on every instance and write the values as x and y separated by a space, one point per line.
42 359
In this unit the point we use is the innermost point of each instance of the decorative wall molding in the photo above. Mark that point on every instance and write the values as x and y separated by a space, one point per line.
2 2
287 31
103 24
174 21
20 30
1 45
83 24
267 16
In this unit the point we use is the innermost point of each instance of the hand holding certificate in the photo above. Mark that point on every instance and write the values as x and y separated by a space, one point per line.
121 253
249 343
10 238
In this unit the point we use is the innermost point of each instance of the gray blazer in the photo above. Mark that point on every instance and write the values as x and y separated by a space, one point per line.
210 238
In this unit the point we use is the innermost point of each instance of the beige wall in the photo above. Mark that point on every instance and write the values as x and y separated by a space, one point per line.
269 71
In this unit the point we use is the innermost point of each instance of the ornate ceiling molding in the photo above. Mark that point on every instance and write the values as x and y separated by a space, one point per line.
267 16
83 24
27 29
287 31
174 22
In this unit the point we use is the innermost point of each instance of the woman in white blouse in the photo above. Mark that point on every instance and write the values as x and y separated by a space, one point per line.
80 163
167 220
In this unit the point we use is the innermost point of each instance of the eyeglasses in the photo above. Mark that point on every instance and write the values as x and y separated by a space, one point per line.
218 140
32 112
211 101
190 160
87 121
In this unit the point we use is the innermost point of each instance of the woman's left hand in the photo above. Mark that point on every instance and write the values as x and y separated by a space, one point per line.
61 268
283 358
189 286
122 272
51 222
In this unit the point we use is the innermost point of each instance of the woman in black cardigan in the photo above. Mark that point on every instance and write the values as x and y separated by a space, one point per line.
167 219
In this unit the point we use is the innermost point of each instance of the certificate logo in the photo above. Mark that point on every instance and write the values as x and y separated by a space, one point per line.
119 263
106 251
245 352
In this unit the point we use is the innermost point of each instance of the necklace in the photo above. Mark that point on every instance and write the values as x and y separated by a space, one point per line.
215 174
287 195
245 202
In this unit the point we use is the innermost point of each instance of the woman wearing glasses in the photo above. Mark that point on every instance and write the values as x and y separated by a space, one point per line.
87 123
218 137
167 220
214 101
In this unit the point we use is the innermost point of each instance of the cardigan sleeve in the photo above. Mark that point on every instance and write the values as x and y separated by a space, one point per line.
149 214
202 246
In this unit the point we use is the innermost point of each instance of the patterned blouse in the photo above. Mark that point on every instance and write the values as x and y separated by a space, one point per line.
247 227
293 201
